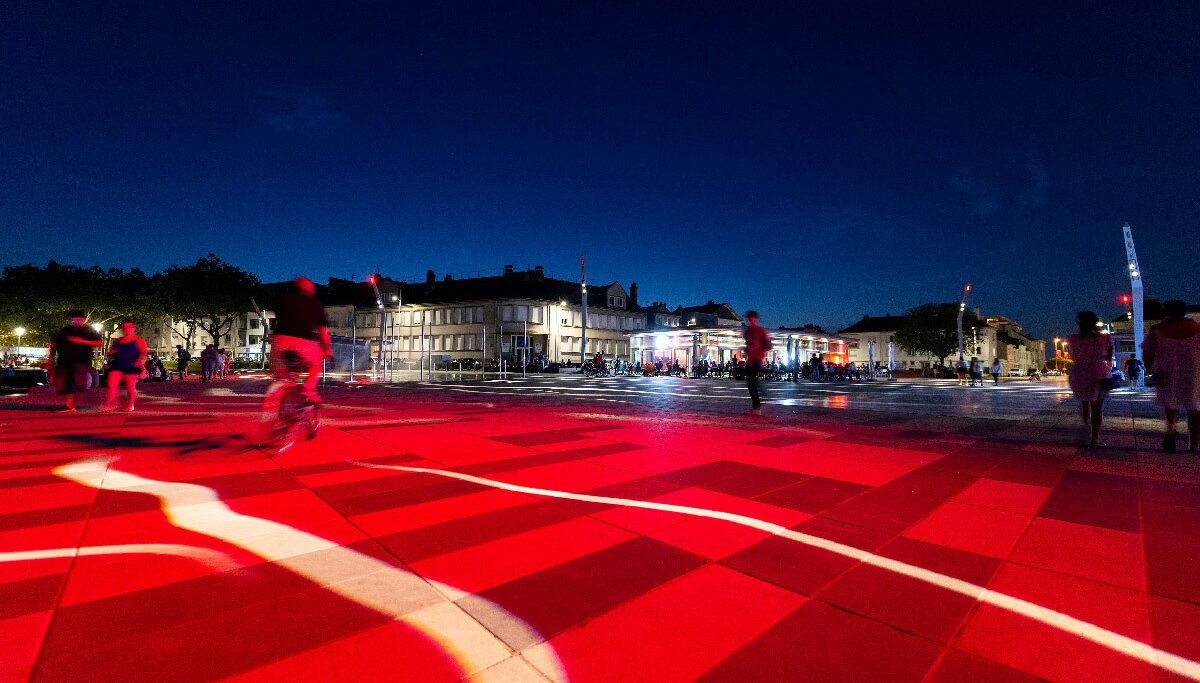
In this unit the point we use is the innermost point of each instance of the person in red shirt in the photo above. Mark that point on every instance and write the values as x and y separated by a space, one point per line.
758 342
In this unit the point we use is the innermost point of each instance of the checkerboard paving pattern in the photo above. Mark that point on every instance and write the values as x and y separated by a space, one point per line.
337 560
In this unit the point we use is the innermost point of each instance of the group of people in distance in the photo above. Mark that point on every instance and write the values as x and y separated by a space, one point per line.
1170 354
73 347
302 329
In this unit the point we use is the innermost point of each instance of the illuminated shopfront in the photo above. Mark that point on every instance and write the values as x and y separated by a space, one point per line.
724 344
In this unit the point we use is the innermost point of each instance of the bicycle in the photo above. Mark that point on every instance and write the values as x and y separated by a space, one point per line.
286 411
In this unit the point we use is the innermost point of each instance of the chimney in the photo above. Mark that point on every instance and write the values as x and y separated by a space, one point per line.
447 277
430 277
633 293
538 274
508 270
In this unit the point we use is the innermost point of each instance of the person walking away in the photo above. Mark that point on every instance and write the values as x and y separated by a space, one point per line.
73 346
997 368
976 371
1172 352
208 363
301 327
1093 357
125 358
223 362
758 342
1133 369
182 359
961 370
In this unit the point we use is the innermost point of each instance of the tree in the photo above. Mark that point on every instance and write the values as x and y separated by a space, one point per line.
38 299
208 295
932 329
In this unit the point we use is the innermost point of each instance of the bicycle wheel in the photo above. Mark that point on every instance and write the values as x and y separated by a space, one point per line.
313 420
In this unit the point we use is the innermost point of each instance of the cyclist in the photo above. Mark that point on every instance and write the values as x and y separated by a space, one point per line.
300 328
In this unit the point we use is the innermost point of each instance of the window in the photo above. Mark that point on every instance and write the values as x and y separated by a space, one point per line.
535 314
506 313
253 324
479 314
522 313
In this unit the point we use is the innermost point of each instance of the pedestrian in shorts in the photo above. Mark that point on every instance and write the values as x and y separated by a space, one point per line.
72 347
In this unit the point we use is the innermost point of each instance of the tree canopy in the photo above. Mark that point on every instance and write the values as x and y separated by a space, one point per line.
932 329
208 295
38 299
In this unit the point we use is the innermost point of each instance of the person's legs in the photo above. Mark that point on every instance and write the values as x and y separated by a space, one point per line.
1172 417
131 381
752 385
66 379
113 382
995 378
1193 422
1097 419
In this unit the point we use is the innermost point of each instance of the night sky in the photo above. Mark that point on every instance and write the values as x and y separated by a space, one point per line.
817 164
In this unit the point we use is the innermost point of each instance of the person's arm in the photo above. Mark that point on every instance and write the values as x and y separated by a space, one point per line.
142 349
86 342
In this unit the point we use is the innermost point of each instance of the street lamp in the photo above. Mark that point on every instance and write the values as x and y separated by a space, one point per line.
97 327
20 331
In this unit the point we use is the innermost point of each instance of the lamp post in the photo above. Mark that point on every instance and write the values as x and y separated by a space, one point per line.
962 308
1057 351
20 331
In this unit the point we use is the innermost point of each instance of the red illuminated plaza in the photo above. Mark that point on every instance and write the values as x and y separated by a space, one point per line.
628 529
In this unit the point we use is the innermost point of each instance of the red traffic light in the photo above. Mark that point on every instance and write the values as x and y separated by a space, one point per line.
1125 298
371 279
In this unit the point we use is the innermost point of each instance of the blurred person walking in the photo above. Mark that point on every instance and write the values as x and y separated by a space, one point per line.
208 363
758 342
1093 357
1172 353
73 348
126 356
182 359
997 368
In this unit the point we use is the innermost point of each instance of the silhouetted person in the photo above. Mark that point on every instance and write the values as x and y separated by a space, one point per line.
1172 352
73 346
758 342
1093 355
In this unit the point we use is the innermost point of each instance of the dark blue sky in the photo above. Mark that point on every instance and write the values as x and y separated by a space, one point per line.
817 164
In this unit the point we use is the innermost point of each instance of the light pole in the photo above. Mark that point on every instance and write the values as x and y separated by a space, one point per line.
1057 351
20 331
962 307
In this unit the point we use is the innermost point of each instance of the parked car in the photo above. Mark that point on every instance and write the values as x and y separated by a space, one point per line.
1015 373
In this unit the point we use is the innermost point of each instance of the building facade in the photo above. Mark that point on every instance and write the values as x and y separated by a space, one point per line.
690 345
998 337
516 316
